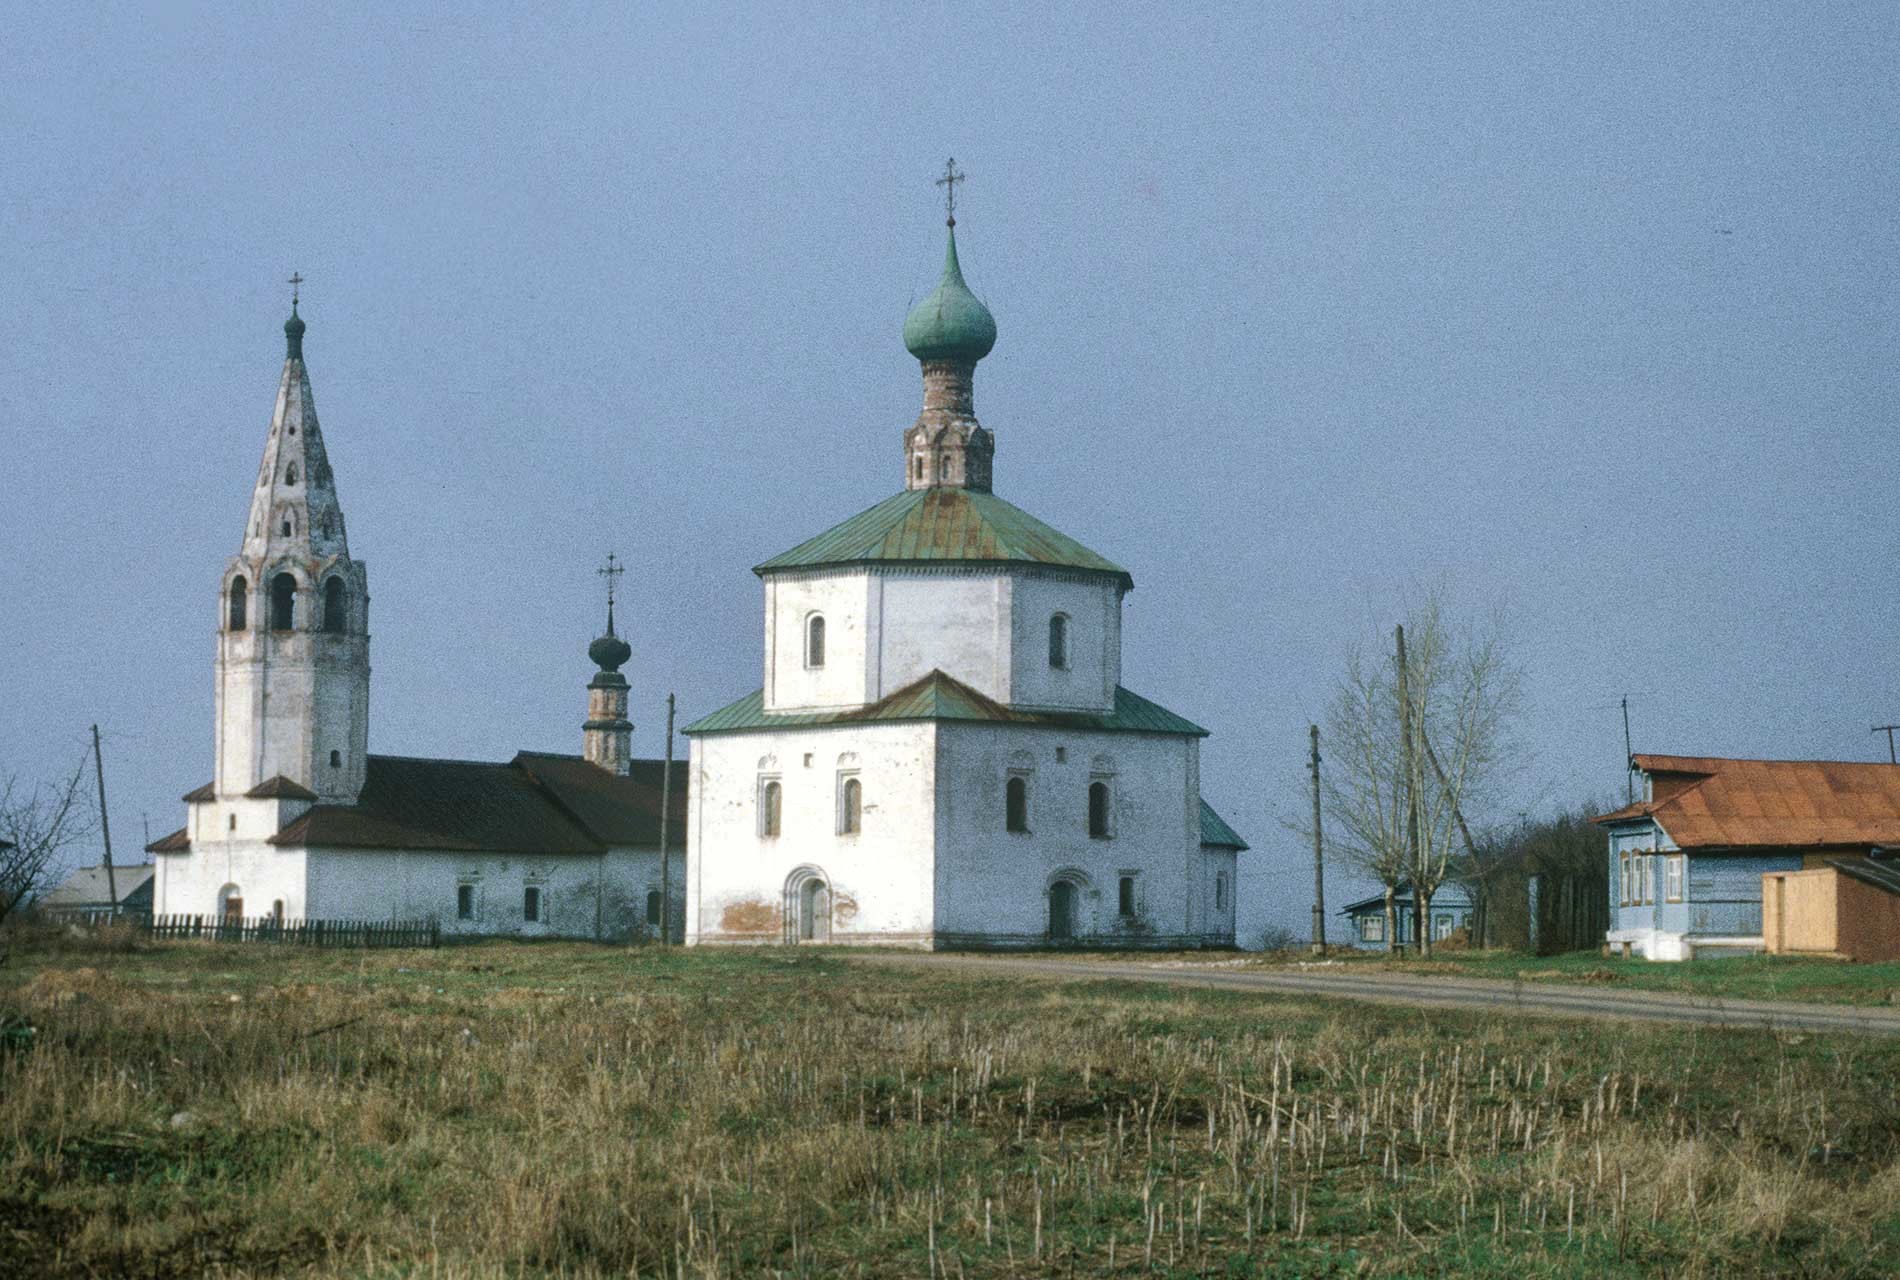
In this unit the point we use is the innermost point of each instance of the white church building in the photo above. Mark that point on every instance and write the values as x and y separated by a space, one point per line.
942 753
300 821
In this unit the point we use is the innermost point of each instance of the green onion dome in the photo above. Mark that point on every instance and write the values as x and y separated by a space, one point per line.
293 333
950 324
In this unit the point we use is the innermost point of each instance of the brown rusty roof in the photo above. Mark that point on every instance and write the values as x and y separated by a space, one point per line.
533 804
1705 802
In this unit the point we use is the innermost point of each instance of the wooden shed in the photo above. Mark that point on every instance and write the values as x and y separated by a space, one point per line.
1847 908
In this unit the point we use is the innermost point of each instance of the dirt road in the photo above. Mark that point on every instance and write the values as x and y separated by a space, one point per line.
1541 999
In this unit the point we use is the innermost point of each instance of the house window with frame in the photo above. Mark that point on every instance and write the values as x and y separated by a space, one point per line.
1622 879
771 806
1125 896
531 904
850 805
1672 877
1098 810
815 641
1016 804
1648 862
1372 928
464 902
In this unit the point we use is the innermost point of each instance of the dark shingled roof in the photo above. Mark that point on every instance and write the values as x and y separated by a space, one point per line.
178 841
533 804
198 795
90 887
280 788
1881 875
941 697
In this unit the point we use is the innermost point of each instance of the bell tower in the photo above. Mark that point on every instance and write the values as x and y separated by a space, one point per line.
293 616
607 735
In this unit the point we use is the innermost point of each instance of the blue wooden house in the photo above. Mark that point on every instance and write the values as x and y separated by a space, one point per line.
1686 859
1366 928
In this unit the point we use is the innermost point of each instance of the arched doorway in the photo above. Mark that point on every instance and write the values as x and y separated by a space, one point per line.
1062 904
807 906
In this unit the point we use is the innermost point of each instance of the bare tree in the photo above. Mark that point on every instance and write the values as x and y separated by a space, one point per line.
37 822
1415 751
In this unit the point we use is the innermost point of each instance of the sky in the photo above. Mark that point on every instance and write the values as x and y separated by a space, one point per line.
1582 315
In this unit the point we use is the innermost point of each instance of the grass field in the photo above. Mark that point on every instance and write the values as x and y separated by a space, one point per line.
510 1109
1760 977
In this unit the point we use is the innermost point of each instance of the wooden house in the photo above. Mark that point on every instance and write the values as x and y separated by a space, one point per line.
1451 912
1687 858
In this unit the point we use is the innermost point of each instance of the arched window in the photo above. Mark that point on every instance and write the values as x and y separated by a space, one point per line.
917 467
283 602
770 803
850 807
1098 810
1059 641
240 602
1220 891
335 606
290 474
815 641
1016 804
336 759
286 526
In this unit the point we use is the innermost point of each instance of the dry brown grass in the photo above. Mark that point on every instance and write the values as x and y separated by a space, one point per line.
508 1110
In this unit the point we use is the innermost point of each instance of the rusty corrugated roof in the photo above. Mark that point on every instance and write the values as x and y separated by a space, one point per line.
941 697
944 525
1706 802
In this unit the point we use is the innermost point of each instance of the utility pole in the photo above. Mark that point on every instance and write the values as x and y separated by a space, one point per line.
1629 757
1889 730
1319 871
666 813
1408 767
105 828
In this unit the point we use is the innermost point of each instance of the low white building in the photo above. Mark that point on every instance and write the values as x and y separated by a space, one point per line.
300 821
942 753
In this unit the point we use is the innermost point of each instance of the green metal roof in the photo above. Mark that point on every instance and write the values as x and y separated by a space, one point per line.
941 697
1215 831
951 323
944 525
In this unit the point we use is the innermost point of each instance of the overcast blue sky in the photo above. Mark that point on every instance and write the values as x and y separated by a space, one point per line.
1587 312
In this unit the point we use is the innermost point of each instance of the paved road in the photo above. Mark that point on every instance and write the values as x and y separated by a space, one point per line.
1537 998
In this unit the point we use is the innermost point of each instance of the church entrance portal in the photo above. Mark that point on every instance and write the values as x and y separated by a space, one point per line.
1061 911
808 906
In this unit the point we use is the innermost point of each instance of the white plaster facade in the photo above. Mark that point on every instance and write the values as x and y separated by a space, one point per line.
986 626
967 650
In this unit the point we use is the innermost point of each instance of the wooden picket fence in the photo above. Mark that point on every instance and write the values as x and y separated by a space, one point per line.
299 933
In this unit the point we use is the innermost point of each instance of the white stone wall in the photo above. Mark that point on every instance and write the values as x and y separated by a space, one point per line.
1093 606
880 879
790 601
886 627
582 896
223 856
993 885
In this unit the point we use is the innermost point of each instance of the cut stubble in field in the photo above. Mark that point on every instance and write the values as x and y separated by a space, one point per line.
506 1109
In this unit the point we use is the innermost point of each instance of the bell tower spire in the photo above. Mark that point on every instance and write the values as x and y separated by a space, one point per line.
607 736
948 332
293 615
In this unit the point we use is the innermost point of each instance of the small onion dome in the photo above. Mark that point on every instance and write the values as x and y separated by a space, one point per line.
293 333
950 324
609 651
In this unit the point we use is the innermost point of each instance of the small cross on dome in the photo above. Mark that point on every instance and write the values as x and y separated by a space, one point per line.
951 176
